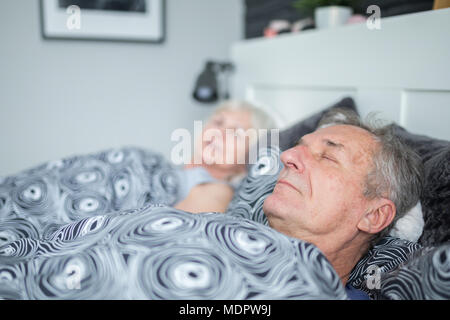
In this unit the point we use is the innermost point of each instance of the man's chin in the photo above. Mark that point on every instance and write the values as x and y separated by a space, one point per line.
272 205
274 219
279 207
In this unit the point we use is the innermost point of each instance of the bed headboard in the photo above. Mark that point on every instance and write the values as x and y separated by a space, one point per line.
401 70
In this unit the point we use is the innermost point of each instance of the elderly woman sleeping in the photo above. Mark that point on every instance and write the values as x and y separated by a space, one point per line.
209 184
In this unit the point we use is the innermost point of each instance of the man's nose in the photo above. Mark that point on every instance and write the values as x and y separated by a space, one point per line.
293 159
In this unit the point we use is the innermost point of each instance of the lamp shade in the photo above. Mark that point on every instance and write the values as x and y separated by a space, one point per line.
206 89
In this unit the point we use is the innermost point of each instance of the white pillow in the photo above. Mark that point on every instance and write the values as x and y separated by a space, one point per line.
410 226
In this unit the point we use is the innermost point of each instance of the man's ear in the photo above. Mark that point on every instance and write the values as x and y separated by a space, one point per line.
379 217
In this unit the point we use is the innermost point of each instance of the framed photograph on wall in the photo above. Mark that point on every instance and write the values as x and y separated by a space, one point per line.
110 20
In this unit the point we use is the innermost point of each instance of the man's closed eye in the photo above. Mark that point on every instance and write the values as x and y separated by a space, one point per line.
327 157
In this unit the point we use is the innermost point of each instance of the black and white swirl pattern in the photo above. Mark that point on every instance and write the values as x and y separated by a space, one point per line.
259 183
68 238
80 205
321 277
253 247
80 228
86 275
116 156
33 196
157 252
19 250
268 163
6 211
164 186
189 271
387 255
153 230
11 284
152 162
90 175
16 228
425 276
437 274
130 186
122 183
68 189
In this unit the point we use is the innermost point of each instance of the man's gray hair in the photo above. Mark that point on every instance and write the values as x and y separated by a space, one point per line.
397 172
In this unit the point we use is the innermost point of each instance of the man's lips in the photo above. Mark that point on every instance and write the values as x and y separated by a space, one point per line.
288 184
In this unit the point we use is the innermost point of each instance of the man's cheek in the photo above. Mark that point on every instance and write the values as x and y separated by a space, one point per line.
330 187
335 185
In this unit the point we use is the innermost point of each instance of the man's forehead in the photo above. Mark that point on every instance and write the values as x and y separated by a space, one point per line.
342 133
355 141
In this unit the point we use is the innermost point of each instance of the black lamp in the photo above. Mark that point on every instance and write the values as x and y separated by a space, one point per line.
208 88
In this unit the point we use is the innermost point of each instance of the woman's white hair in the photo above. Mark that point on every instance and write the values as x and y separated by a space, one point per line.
260 119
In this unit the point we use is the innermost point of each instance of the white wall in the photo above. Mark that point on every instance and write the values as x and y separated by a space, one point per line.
401 71
62 97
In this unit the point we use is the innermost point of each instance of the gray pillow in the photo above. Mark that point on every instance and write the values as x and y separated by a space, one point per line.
435 199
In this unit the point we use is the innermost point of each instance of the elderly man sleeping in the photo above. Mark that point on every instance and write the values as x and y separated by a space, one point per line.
341 188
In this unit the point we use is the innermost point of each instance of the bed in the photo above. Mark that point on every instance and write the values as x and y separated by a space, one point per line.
101 225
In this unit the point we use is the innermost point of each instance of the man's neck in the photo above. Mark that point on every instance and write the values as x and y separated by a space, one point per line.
343 255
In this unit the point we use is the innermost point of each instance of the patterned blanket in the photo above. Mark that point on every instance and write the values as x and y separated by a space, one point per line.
72 188
100 227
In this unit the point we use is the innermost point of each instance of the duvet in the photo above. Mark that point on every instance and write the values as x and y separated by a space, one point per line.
101 227
163 253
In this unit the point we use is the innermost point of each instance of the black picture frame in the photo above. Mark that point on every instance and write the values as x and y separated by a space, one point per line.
53 21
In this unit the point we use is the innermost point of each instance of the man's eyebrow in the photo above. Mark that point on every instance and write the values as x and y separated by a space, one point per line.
328 142
333 144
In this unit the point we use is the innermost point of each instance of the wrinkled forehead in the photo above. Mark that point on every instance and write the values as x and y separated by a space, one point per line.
358 143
